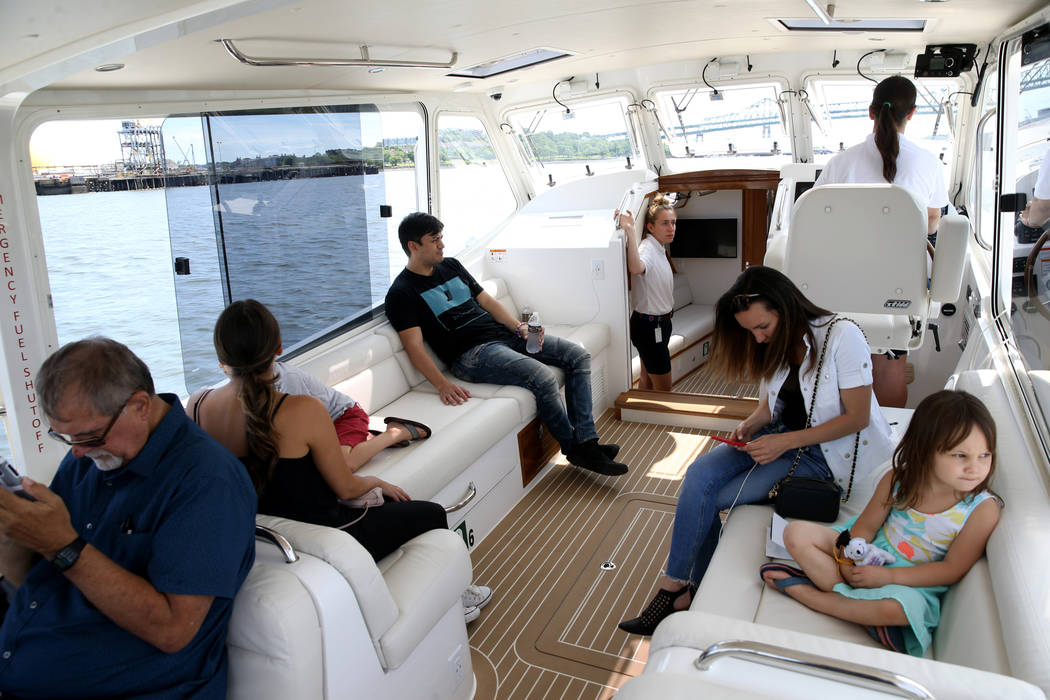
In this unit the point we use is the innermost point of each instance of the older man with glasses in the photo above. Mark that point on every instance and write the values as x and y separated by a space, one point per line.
135 552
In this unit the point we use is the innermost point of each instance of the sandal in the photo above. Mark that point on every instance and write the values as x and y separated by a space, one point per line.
795 576
417 430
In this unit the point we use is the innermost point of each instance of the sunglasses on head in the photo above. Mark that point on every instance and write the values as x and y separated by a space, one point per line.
742 302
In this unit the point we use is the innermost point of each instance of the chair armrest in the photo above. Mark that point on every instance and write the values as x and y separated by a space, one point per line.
350 559
949 258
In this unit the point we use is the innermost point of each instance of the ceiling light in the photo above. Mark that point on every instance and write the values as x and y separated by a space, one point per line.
109 67
376 70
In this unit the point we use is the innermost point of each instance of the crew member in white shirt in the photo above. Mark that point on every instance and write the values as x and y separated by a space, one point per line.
652 283
887 156
1037 212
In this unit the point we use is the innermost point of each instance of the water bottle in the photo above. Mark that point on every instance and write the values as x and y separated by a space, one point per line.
525 314
532 345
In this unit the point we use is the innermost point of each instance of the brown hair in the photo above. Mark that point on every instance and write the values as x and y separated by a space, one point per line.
734 351
247 338
940 422
891 103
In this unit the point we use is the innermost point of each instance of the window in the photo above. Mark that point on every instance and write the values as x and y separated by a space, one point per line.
474 193
105 232
735 127
1031 249
281 205
571 141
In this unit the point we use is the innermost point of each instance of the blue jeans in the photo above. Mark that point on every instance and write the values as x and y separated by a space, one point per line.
711 484
499 362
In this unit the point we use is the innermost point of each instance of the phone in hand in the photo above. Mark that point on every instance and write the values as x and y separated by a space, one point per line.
734 443
11 480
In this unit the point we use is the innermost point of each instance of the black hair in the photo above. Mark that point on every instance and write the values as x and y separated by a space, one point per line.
416 225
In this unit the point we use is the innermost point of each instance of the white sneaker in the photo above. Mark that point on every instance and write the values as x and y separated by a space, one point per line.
470 614
476 596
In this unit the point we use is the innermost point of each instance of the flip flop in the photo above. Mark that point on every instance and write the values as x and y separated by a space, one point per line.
780 567
414 429
784 583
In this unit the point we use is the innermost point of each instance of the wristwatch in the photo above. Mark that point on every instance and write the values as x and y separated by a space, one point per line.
68 555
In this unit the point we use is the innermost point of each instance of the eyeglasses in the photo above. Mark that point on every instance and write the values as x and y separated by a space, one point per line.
742 302
97 441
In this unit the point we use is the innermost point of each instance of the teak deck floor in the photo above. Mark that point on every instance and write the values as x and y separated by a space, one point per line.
550 630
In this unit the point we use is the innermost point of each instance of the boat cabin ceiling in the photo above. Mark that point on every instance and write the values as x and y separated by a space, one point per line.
37 39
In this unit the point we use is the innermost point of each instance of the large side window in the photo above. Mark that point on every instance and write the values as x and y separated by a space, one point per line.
731 127
1031 249
291 212
840 111
475 195
105 231
569 141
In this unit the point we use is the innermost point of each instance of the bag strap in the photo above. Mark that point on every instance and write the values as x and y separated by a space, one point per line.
813 403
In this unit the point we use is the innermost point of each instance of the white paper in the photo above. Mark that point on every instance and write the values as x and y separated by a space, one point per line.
775 544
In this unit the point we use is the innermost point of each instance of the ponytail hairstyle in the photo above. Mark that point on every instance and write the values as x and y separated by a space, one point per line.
891 103
247 338
660 202
940 422
734 351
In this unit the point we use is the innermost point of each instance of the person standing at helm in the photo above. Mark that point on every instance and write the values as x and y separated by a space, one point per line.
652 281
886 155
1037 212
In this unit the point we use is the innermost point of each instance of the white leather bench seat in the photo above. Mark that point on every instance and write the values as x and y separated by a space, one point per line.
996 619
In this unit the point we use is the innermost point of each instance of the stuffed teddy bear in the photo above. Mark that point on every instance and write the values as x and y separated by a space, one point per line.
866 554
857 551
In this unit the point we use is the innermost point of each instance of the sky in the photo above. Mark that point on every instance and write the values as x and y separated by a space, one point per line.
61 143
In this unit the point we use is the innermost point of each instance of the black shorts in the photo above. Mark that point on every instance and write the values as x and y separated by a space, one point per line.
656 358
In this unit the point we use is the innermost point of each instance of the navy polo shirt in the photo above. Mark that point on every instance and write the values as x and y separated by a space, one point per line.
181 514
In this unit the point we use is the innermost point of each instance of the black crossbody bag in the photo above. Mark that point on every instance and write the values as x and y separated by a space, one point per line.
803 497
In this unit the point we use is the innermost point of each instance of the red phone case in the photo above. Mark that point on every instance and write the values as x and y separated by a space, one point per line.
727 441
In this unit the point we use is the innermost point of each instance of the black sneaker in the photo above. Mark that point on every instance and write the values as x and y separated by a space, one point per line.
589 455
610 450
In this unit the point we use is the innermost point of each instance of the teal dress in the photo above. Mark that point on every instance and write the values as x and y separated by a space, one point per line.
916 538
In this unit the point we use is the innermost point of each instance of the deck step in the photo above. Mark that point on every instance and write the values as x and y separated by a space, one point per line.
686 410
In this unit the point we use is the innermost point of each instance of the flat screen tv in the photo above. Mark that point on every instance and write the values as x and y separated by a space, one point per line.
705 238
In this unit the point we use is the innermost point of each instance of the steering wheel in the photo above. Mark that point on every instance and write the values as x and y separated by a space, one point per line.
1029 277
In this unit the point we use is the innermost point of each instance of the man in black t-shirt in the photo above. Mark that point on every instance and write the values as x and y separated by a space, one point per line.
435 299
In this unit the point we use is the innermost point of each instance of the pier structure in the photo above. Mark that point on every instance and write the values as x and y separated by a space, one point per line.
142 148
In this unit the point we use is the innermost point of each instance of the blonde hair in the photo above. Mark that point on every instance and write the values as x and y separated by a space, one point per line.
660 202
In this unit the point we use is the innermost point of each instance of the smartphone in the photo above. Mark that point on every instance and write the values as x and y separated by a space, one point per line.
11 480
727 441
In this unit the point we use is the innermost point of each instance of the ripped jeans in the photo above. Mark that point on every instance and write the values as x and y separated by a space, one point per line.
570 422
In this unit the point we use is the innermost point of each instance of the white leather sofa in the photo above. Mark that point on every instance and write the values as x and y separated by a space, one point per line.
334 623
995 623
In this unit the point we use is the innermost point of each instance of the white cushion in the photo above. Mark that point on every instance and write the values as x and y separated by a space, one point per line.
698 630
461 435
683 293
425 576
350 559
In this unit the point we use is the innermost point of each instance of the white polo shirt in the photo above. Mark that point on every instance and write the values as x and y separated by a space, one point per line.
847 365
1042 185
918 170
653 291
